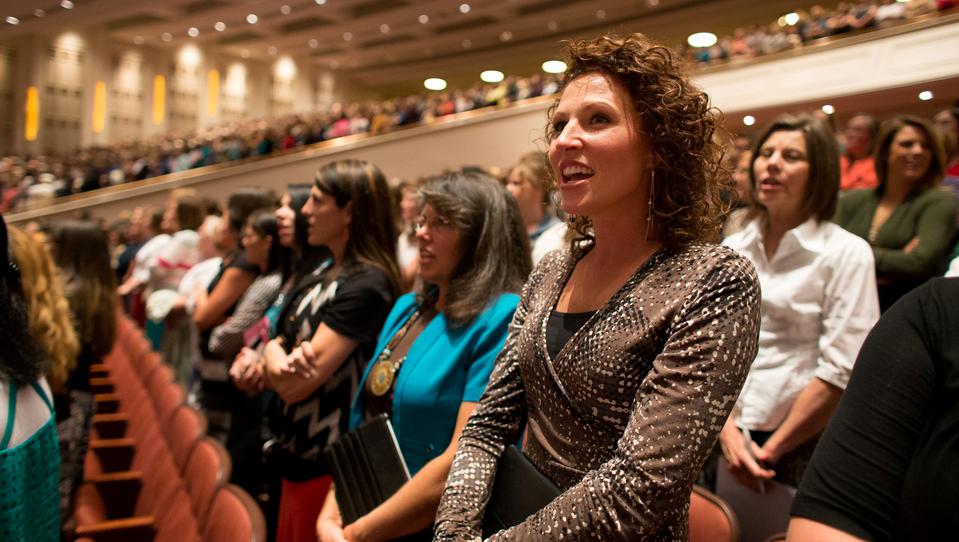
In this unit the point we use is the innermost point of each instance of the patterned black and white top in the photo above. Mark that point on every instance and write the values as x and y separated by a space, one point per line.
355 305
625 415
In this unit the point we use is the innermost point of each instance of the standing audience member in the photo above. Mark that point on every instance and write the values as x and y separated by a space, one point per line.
908 220
857 167
818 303
29 454
334 323
621 374
529 182
886 467
743 209
436 350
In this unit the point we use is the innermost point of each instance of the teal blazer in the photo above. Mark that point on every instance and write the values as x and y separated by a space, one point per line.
444 367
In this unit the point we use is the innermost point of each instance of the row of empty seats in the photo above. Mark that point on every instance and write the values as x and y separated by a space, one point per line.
151 473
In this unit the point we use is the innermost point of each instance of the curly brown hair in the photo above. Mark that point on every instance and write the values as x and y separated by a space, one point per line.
683 130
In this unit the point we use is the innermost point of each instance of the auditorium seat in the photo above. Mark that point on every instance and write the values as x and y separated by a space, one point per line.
208 470
171 396
710 518
234 516
183 430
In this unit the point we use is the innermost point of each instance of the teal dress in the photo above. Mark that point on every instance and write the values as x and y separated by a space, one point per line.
444 368
29 480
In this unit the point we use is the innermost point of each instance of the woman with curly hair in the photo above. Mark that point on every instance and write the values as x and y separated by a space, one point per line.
628 350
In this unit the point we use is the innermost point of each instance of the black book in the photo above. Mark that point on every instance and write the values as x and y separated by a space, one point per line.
519 491
367 467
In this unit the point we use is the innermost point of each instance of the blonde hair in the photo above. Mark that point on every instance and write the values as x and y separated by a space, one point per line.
48 311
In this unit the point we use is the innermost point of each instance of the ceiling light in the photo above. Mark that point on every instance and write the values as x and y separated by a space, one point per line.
285 68
12 20
347 36
464 8
492 76
166 36
554 66
313 43
320 2
652 3
506 36
138 40
791 18
66 4
220 26
553 26
467 44
423 19
285 9
384 28
749 120
434 83
925 95
271 50
252 18
193 32
701 39
600 14
39 13
828 109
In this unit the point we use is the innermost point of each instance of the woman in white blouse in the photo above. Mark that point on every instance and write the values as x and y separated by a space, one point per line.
819 301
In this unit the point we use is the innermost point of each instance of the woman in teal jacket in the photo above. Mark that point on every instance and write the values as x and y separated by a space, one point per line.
436 350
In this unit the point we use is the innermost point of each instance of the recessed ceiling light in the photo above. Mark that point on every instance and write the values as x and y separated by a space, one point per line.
791 18
464 8
554 66
252 18
219 26
12 20
925 95
320 2
424 18
749 120
285 9
600 14
166 36
467 44
492 76
39 13
828 109
553 26
701 39
66 4
138 40
271 50
347 36
506 36
384 28
193 32
434 83
313 43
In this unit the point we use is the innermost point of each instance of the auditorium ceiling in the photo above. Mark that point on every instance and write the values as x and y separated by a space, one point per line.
386 44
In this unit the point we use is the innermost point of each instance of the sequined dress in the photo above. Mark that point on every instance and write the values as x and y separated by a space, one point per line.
625 415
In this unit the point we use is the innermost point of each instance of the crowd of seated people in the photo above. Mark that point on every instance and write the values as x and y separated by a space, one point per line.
40 177
812 26
635 347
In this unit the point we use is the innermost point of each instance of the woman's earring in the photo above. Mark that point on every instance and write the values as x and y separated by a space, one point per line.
649 205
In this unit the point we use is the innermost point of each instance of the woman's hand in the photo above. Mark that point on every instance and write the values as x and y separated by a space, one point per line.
302 360
246 372
741 456
329 526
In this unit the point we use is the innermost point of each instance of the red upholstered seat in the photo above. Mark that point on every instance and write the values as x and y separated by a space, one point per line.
206 472
710 518
234 516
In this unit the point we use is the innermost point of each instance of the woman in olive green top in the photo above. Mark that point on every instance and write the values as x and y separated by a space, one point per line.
907 219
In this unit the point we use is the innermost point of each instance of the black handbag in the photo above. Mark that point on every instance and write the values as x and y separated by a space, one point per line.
519 491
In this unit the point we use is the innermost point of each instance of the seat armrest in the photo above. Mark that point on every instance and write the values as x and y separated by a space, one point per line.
140 528
106 403
119 492
103 385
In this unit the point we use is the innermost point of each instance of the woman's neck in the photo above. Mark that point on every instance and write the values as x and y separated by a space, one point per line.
896 189
624 239
776 227
442 290
338 249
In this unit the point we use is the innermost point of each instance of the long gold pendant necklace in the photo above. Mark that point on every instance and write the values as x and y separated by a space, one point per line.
383 373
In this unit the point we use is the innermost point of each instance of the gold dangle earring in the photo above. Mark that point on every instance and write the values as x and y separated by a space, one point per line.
649 205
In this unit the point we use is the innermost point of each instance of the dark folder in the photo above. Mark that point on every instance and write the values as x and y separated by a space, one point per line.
519 491
367 467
